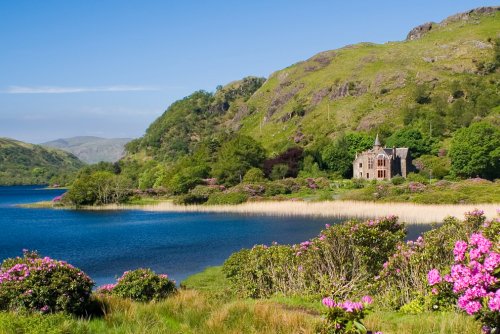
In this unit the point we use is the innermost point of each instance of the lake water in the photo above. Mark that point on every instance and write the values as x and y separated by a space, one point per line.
106 243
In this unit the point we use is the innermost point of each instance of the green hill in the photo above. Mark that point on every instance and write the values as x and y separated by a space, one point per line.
435 93
23 163
92 149
443 77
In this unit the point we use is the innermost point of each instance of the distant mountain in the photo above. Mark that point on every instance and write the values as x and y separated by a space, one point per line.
23 163
91 149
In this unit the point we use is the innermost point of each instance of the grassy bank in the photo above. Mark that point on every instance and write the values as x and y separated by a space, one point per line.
206 307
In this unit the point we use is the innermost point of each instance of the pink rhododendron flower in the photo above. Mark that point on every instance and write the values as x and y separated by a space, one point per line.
328 302
433 277
367 300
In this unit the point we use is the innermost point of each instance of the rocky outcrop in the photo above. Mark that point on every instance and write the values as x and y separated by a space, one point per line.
423 29
419 31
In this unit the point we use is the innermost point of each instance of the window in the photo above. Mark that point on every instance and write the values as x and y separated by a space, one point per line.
381 162
381 174
370 163
360 174
360 165
367 175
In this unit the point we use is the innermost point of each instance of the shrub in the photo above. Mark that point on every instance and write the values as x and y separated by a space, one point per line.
36 284
345 317
403 278
474 277
276 188
340 262
254 175
142 285
397 180
227 198
278 172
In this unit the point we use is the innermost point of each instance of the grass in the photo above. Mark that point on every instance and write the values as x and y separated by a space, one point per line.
425 323
205 307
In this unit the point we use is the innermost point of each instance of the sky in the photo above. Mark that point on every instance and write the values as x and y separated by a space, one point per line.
109 68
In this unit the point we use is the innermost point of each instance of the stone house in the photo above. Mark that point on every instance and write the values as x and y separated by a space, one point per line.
382 163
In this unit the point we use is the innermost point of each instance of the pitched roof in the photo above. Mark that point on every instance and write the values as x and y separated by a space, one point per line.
377 141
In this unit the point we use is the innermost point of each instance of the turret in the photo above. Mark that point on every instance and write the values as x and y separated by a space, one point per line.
376 144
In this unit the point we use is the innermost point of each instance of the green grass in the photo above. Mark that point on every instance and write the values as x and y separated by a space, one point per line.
209 280
206 307
425 323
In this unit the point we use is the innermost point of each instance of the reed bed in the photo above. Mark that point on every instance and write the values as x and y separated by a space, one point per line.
407 212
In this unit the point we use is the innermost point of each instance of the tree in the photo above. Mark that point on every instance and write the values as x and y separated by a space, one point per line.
254 175
475 151
413 139
279 172
235 158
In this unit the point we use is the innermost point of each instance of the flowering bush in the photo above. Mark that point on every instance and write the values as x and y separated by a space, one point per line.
475 278
339 262
32 283
345 317
403 279
141 285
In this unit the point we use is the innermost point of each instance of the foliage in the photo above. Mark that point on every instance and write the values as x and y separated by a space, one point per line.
411 138
235 158
36 284
22 163
345 317
470 191
100 187
254 175
227 198
288 162
141 285
474 276
279 172
475 151
433 166
339 262
403 279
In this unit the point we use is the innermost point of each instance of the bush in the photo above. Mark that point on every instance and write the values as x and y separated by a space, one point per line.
403 279
141 285
254 175
397 180
227 198
340 262
276 188
474 276
36 284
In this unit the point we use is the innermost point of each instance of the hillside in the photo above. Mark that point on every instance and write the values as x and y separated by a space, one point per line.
443 77
23 163
92 149
435 93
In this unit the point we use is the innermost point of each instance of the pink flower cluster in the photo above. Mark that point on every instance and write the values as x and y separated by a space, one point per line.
106 288
473 274
21 271
348 305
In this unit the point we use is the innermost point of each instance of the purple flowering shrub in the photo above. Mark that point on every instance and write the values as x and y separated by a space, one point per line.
402 282
36 284
345 317
474 276
339 262
140 285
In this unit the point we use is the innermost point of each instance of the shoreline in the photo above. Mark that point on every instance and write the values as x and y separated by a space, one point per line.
407 212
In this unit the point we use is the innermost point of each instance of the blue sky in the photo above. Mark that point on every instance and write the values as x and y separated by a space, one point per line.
109 68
